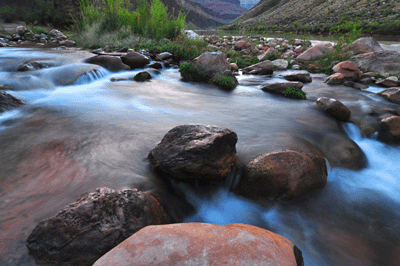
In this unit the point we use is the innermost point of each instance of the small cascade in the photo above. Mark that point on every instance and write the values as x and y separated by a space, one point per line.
92 76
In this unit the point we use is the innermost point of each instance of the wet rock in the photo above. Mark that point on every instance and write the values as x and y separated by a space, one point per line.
388 82
7 101
204 244
155 65
335 108
283 174
349 70
280 64
335 79
384 63
164 56
211 63
29 66
196 152
389 129
392 95
117 79
58 35
280 87
112 63
315 52
365 45
67 43
142 76
135 60
355 85
98 221
301 76
263 68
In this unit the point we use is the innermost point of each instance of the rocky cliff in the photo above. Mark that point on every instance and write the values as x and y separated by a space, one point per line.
312 13
226 10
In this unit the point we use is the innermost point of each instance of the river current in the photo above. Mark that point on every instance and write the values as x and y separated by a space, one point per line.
81 131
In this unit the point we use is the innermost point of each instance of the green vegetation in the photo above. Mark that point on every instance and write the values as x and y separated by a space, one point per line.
189 72
45 14
292 92
225 82
8 13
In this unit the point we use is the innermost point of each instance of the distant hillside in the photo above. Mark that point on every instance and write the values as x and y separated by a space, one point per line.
198 15
320 15
225 10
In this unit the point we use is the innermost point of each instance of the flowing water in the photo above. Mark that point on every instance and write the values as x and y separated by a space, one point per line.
79 131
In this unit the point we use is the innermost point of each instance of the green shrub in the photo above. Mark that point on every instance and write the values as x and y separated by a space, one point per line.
8 14
245 62
39 30
225 82
189 72
292 92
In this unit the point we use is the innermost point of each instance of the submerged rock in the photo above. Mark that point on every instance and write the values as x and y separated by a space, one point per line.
111 63
280 87
30 66
389 130
288 174
301 76
204 244
196 152
135 60
335 108
91 226
142 76
7 101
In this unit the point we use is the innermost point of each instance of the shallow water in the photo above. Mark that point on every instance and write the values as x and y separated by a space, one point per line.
71 139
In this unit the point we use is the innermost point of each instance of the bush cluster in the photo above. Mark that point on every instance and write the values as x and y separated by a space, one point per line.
189 72
292 92
225 82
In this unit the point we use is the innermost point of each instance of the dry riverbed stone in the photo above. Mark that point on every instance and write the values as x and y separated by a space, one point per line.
283 174
196 151
203 244
97 222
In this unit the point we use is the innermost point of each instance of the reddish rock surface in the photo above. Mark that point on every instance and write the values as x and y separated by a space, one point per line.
98 221
196 152
203 244
288 174
365 45
392 95
349 70
384 63
389 130
335 108
301 76
335 79
241 45
112 63
315 52
211 63
263 68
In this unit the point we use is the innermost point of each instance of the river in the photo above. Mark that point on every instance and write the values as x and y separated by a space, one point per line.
77 134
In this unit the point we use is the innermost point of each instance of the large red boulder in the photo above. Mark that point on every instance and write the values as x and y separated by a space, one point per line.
335 108
263 68
283 174
364 45
384 63
349 70
203 244
315 52
196 151
98 221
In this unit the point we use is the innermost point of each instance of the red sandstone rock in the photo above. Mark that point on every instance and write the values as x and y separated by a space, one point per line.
315 52
263 68
349 70
335 108
365 45
335 79
203 244
287 174
392 95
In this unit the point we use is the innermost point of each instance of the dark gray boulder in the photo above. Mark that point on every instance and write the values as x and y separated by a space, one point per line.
7 101
135 60
111 63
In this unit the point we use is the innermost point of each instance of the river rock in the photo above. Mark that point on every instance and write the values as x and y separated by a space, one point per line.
155 65
142 76
263 68
301 76
164 56
111 63
283 174
204 244
391 94
97 222
364 45
384 63
35 65
389 129
58 34
242 44
355 85
280 64
349 70
196 151
335 79
67 43
212 64
335 108
135 60
315 52
388 82
21 30
280 87
7 101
